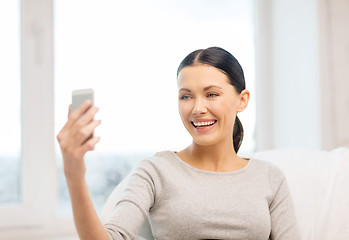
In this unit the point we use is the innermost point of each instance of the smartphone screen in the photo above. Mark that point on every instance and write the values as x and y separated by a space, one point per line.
80 96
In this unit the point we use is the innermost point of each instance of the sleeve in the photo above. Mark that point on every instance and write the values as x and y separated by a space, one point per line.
136 200
283 218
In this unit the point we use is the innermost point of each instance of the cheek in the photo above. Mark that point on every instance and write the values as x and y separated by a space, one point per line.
223 106
232 104
184 110
227 110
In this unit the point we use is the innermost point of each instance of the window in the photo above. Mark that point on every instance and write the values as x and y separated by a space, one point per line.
128 51
27 91
10 98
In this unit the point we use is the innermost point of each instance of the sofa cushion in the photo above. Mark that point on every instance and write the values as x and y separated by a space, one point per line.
318 182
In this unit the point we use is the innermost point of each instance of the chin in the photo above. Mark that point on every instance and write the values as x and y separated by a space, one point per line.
205 141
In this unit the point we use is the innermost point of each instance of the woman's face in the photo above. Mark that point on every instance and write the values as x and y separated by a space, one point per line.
208 103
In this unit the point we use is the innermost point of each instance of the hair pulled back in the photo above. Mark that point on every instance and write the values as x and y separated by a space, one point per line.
229 65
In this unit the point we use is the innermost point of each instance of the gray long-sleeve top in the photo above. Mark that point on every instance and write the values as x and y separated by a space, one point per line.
184 202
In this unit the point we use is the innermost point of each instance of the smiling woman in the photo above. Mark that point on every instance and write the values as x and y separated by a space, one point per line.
203 102
222 80
203 191
126 52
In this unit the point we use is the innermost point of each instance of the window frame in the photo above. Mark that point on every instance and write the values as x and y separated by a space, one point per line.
35 213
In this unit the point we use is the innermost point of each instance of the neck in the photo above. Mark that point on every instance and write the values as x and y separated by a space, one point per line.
219 157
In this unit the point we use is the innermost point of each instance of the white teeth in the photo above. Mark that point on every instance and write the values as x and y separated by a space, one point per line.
203 124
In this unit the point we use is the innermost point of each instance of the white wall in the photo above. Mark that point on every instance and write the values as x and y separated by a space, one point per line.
302 76
336 61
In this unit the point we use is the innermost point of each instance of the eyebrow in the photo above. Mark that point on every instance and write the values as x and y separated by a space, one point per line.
184 89
211 86
205 89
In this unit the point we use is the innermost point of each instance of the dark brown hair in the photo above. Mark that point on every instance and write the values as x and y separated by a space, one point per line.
226 62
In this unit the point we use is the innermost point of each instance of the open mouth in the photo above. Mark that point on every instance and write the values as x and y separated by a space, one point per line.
203 124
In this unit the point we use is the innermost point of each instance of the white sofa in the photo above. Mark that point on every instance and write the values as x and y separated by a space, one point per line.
319 184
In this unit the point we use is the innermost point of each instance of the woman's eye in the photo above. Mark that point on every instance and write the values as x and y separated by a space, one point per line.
212 95
184 97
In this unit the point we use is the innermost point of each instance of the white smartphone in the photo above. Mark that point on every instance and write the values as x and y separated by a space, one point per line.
80 96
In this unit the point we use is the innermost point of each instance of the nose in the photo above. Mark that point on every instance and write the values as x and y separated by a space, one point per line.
199 107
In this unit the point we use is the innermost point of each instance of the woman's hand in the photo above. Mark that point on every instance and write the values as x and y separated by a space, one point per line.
75 139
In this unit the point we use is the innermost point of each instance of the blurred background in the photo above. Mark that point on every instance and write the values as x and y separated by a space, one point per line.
295 55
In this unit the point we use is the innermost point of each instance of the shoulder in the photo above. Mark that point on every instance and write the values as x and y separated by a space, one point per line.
271 178
267 166
156 164
151 173
272 172
157 160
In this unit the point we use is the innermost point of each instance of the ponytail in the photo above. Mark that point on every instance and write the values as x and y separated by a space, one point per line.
238 134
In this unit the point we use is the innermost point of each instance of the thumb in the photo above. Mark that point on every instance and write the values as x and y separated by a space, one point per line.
69 110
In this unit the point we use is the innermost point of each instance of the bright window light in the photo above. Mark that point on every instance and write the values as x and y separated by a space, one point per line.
10 98
128 52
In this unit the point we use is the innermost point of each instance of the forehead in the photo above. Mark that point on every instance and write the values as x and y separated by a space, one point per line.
202 75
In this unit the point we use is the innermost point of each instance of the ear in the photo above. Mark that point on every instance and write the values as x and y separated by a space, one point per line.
244 98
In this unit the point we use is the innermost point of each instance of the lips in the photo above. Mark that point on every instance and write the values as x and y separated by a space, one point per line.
202 123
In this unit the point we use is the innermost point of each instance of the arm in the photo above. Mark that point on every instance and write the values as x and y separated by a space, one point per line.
86 220
138 196
75 142
282 213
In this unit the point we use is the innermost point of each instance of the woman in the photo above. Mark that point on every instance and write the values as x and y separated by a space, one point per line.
204 191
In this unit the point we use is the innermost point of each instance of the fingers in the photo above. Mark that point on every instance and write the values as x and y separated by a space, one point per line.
78 119
87 117
90 144
74 147
89 129
83 108
79 127
69 111
76 138
84 133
